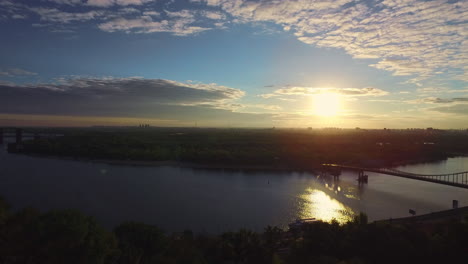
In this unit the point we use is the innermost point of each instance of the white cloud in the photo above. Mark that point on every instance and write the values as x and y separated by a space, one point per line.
102 3
55 15
187 14
151 13
409 38
414 38
133 16
106 3
146 24
12 72
213 15
308 91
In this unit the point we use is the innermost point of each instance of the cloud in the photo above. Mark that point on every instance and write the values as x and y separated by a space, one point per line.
129 20
460 109
249 108
102 3
12 10
131 16
117 2
16 72
123 101
111 96
146 24
308 91
418 39
426 90
57 16
439 90
68 2
214 15
437 100
408 38
188 14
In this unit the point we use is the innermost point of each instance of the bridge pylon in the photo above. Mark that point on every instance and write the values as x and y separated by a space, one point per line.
333 171
362 178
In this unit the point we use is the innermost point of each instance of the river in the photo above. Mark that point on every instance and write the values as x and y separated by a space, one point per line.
215 201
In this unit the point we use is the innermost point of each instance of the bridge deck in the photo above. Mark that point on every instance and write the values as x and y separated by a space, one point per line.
459 179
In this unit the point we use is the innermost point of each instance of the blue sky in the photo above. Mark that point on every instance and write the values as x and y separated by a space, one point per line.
245 63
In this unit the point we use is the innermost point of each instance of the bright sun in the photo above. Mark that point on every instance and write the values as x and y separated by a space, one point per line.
326 104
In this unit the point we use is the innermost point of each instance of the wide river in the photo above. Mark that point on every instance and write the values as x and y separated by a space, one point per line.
218 200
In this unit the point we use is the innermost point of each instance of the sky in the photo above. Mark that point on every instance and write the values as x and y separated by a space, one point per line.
234 63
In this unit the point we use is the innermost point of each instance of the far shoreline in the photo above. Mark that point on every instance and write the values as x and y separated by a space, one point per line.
223 166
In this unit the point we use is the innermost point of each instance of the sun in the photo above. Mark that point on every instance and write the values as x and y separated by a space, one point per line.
326 104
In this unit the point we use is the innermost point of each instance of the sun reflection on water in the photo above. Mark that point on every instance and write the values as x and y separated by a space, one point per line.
319 205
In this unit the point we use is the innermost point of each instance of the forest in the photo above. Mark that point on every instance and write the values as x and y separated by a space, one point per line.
275 148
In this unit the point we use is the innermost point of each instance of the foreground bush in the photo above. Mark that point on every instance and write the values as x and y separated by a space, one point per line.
68 236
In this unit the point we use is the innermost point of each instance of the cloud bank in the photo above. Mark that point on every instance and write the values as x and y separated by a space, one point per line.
456 105
414 38
410 37
128 97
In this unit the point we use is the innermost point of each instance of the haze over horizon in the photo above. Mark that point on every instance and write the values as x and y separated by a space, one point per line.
234 63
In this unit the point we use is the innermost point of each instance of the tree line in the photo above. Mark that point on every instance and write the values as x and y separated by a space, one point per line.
297 149
69 236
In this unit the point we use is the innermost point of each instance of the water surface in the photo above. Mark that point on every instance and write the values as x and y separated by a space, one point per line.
218 200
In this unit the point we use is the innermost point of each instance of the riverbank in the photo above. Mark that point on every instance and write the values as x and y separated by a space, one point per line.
458 214
251 149
221 166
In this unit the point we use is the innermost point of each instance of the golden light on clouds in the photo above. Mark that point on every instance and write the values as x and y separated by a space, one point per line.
326 104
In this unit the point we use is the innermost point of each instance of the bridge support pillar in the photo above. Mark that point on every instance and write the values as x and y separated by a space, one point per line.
336 172
362 178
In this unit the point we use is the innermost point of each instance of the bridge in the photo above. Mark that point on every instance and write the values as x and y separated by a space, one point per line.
459 179
11 133
20 134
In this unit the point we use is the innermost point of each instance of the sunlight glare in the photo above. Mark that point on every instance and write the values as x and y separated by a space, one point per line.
323 207
326 104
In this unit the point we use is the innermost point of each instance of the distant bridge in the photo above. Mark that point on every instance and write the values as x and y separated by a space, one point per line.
19 134
459 179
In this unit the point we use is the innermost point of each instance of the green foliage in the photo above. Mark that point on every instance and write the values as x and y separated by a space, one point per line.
68 236
298 149
63 236
360 219
140 243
